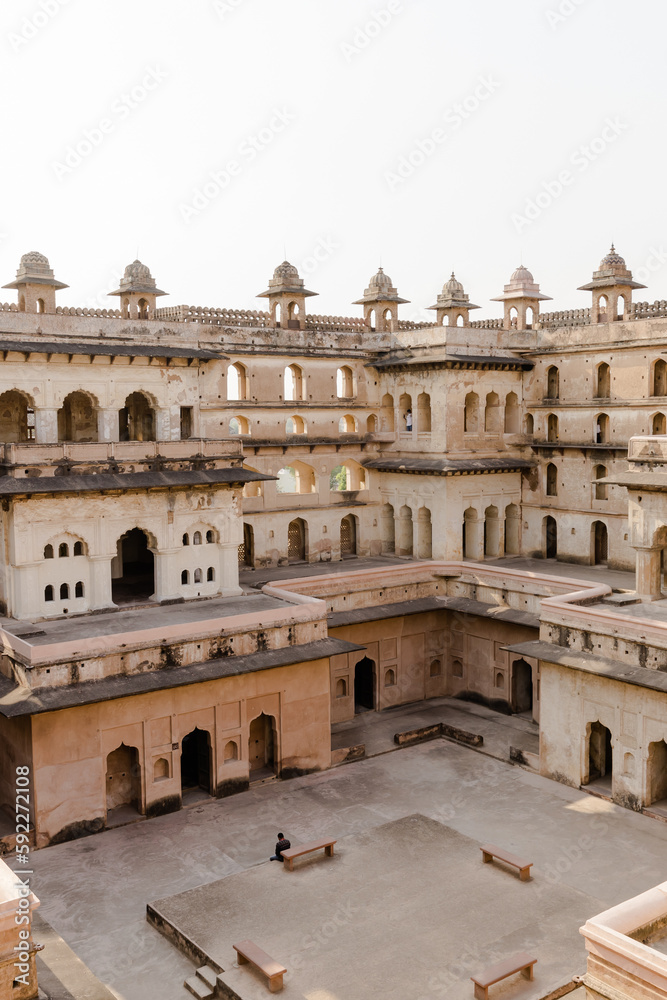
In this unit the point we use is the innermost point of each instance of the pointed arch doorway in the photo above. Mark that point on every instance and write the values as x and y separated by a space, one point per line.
262 747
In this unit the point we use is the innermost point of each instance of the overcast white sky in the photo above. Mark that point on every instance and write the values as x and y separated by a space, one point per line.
117 113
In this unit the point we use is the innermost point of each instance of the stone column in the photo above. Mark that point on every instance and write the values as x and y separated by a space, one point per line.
648 574
166 584
108 426
163 423
46 425
229 569
99 583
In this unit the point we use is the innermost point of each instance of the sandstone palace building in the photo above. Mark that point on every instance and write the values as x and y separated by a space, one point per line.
149 452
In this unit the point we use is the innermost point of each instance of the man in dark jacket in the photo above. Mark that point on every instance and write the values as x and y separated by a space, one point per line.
282 845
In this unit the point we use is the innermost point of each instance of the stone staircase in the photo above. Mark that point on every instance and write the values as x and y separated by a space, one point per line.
203 984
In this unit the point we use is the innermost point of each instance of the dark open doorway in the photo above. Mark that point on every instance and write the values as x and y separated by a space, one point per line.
600 756
133 569
364 686
196 762
551 538
123 785
261 747
522 687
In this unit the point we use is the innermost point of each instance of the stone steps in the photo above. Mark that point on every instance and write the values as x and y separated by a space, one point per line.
203 984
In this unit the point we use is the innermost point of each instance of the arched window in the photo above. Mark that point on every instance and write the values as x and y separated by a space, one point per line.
471 413
48 551
512 530
530 318
424 413
63 550
550 537
371 424
457 668
77 418
659 380
239 425
602 309
553 383
405 410
390 678
500 679
185 576
552 480
136 421
296 478
347 424
603 381
237 382
231 752
295 425
350 476
17 417
40 305
512 413
344 383
78 549
64 591
78 589
514 318
659 425
492 414
197 576
529 424
341 688
196 538
142 308
48 593
293 316
602 429
388 412
388 525
435 669
600 472
620 307
552 428
600 539
293 383
210 575
186 539
210 537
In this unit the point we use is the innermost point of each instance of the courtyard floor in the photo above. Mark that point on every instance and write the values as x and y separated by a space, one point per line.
451 914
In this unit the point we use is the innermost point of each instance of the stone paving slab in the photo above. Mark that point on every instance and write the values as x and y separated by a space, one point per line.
407 909
94 891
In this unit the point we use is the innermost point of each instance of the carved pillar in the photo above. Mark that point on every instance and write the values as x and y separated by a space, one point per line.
46 425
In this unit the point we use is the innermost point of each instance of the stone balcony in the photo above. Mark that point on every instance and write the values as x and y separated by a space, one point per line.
33 458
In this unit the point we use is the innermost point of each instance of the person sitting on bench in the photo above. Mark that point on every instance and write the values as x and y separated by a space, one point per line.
282 845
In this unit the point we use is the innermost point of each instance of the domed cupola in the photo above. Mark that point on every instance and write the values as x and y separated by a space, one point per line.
138 292
612 287
453 306
522 297
381 301
287 297
36 284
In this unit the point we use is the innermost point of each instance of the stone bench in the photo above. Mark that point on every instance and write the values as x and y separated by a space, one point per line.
250 953
315 845
522 963
490 851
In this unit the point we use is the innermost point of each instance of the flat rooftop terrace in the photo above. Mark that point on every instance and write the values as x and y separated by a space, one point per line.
43 633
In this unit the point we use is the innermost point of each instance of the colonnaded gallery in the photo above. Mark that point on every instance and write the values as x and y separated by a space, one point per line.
150 452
